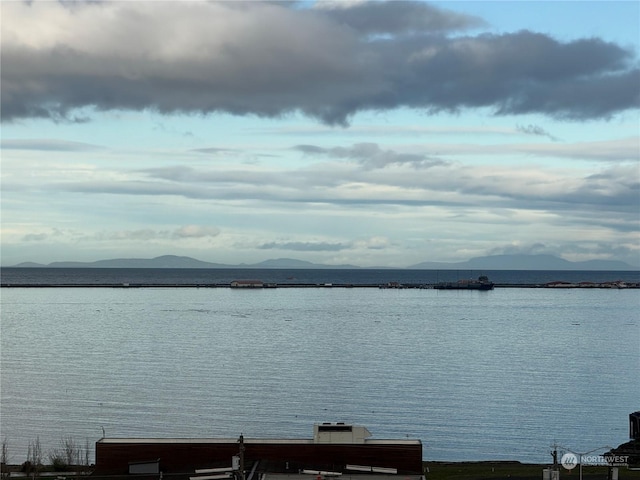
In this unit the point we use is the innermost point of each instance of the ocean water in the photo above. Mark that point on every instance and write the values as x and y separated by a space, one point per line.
176 276
498 375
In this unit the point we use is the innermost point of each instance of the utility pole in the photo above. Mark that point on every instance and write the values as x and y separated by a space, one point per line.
241 442
554 472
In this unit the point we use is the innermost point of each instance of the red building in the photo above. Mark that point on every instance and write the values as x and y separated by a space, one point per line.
335 447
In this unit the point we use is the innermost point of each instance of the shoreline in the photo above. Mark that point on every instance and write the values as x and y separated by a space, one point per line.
421 286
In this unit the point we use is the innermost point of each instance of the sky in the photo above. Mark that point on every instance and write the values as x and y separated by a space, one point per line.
382 133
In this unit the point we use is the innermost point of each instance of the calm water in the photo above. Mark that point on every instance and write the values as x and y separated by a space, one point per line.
474 375
176 276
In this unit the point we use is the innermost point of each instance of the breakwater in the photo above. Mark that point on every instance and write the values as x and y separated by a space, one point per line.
606 285
303 278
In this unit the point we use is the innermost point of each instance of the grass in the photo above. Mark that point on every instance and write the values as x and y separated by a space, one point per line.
514 471
481 471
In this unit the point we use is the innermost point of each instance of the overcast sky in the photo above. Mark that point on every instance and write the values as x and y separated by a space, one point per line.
371 133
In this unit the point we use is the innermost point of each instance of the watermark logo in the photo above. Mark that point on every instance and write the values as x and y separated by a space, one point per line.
569 460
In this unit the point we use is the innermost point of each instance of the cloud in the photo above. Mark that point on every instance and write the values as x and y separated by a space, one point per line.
388 130
535 130
304 246
35 237
215 151
371 156
523 249
195 231
271 59
398 17
390 178
143 234
138 235
50 145
374 243
576 250
150 234
611 150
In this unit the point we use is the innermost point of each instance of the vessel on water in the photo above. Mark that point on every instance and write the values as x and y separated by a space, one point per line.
482 283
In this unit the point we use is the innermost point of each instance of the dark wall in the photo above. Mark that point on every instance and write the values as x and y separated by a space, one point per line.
180 457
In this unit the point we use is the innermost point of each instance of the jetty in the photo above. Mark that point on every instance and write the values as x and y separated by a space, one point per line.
254 285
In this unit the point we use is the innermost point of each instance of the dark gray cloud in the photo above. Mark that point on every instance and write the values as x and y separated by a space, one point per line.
398 17
268 59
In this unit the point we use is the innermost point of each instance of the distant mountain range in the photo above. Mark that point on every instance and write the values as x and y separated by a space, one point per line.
174 261
492 262
525 262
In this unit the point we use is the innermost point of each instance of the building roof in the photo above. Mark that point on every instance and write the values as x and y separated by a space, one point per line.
275 441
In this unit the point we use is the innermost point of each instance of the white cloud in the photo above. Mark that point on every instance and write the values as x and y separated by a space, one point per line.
195 231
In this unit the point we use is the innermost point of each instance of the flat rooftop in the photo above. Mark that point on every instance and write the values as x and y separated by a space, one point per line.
273 441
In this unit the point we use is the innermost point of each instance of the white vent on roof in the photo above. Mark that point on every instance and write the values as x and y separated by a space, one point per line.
339 433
